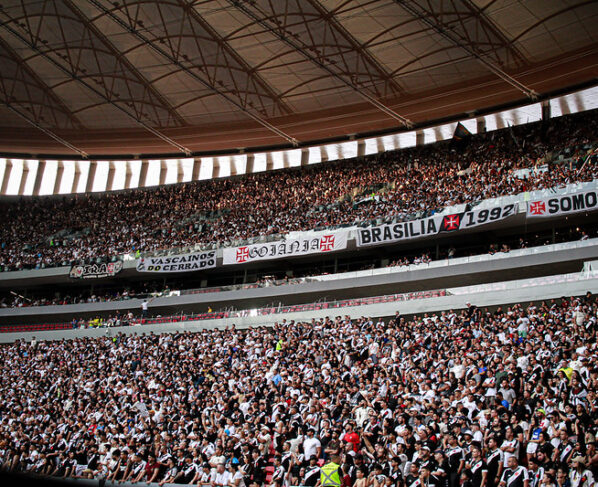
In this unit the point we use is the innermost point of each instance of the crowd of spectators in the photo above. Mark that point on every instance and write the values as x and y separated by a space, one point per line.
53 230
475 398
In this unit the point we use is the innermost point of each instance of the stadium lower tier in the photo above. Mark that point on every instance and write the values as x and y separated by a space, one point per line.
431 396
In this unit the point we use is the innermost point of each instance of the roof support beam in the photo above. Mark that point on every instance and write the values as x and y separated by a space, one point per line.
364 56
431 20
264 19
125 62
251 75
152 45
80 80
46 131
19 84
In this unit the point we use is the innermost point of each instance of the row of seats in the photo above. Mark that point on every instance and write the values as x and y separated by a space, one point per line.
38 327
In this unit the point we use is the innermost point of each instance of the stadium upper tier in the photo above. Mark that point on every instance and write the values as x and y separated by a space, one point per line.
52 231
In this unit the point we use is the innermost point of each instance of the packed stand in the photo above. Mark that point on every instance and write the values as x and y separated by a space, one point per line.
475 398
59 230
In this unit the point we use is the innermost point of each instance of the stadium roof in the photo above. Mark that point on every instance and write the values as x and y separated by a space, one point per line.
178 76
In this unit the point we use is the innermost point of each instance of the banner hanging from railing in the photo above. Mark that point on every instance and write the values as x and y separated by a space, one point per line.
194 261
563 204
425 227
96 271
306 244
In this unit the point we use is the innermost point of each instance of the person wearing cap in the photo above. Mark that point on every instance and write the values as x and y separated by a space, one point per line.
579 475
331 473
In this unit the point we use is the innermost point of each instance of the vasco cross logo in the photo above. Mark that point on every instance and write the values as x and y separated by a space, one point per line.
537 208
327 243
451 222
242 254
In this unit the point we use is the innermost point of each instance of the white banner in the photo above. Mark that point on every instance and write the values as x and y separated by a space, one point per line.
563 204
397 232
194 261
303 245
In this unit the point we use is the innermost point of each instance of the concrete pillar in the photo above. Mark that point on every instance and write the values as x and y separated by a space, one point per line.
323 154
180 173
163 171
286 160
250 164
233 166
39 176
7 173
111 173
419 138
93 166
269 161
128 175
360 148
546 112
196 169
143 174
76 177
58 180
216 168
24 176
304 156
481 125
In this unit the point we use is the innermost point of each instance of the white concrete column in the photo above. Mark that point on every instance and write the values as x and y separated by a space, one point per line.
58 180
304 156
481 125
111 173
163 171
7 173
76 177
196 169
250 164
93 166
39 176
269 161
215 168
128 175
360 148
25 176
180 173
143 174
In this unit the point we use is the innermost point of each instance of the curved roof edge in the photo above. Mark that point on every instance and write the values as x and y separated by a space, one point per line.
24 175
